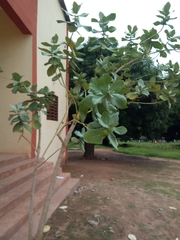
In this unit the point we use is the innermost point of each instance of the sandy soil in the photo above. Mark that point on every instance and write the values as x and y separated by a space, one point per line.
120 195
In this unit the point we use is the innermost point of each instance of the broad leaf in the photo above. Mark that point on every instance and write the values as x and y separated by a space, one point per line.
51 70
16 76
36 124
55 38
95 136
33 106
36 116
97 99
10 85
132 95
24 117
113 140
27 127
84 106
18 127
75 140
78 133
119 101
120 130
76 7
111 17
176 67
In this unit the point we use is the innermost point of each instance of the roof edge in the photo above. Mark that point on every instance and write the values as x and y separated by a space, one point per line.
63 5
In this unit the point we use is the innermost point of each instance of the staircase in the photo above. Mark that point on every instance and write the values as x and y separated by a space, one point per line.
16 172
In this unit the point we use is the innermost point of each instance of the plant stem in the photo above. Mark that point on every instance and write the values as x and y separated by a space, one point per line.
52 183
30 232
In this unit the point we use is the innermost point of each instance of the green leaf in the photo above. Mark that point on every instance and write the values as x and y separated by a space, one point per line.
176 67
57 77
26 83
111 17
75 8
129 28
55 39
81 144
111 29
36 116
141 83
75 140
72 27
94 20
113 140
157 23
15 120
24 117
94 48
95 136
27 127
132 95
167 7
119 101
163 54
93 125
51 70
33 106
156 44
152 80
46 44
114 118
11 116
36 124
87 28
34 87
14 108
120 130
84 15
79 41
134 29
84 106
18 127
16 76
78 133
103 82
117 86
97 98
104 120
15 90
10 85
61 21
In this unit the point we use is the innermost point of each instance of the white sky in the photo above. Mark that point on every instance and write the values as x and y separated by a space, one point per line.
128 12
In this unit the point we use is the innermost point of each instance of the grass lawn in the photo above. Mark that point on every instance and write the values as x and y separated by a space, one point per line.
161 150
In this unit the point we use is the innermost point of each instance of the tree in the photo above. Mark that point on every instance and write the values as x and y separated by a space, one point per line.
148 120
107 92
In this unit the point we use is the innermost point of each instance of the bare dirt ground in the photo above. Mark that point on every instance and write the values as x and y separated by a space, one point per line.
120 195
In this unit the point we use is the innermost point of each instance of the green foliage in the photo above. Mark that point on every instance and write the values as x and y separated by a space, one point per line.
101 91
39 100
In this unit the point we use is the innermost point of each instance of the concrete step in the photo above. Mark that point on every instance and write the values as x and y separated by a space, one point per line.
14 168
13 198
16 218
8 158
68 188
7 184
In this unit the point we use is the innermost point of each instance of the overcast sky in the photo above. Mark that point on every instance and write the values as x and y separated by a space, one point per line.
129 12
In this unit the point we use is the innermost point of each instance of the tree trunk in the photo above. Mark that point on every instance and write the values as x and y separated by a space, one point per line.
89 151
